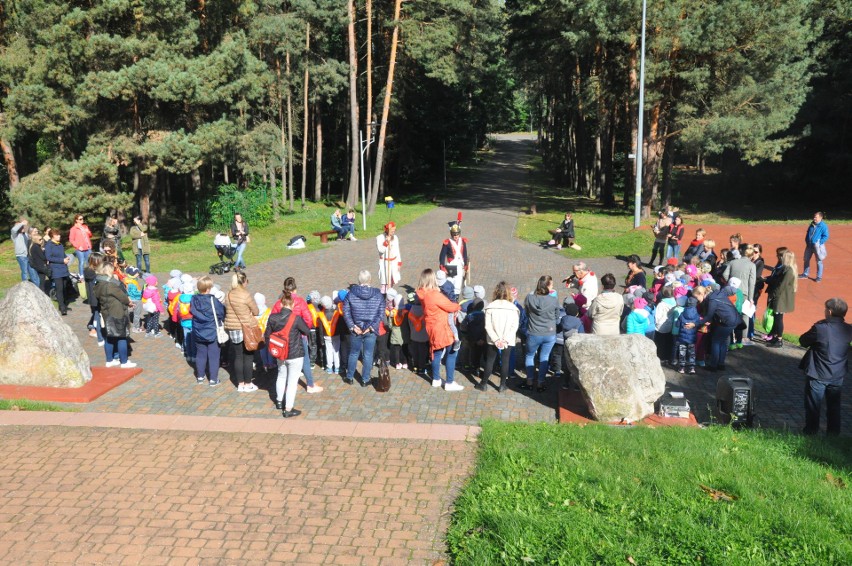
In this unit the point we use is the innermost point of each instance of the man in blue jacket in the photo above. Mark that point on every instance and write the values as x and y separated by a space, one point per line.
362 311
825 365
815 241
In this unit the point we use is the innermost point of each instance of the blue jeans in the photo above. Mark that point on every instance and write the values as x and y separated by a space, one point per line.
95 323
533 343
306 362
719 338
207 360
147 262
357 342
239 262
673 250
343 232
188 343
810 251
24 264
35 278
113 344
82 260
815 390
449 357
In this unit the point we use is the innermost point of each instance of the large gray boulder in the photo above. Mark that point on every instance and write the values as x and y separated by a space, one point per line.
620 377
36 346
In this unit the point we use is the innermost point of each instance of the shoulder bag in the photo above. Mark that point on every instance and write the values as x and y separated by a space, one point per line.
252 336
221 335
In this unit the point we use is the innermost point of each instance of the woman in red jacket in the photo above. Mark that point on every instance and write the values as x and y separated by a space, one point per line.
674 239
436 308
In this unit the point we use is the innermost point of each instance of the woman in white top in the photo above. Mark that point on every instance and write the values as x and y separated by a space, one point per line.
501 328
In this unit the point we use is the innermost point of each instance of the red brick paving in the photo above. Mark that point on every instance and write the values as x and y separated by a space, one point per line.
92 495
103 380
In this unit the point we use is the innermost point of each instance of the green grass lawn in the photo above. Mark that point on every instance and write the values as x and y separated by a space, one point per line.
27 405
563 494
192 250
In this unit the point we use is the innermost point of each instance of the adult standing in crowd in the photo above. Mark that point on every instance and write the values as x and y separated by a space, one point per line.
605 311
140 244
112 235
390 258
113 303
300 308
587 281
21 240
54 251
635 273
240 234
80 237
815 239
288 369
39 271
722 316
825 364
542 308
436 307
661 237
743 268
240 309
782 296
501 329
362 310
674 238
206 311
90 280
454 259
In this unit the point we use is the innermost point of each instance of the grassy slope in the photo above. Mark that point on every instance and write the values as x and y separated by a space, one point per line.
27 405
559 494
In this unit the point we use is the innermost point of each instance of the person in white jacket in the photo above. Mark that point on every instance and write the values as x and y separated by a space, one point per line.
501 328
390 259
605 311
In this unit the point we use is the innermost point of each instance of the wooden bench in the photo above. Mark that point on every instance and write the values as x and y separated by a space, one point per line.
323 236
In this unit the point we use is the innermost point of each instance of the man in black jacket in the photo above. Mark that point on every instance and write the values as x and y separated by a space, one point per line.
825 365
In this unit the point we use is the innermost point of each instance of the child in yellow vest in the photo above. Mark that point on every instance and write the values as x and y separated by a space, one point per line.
262 318
328 318
396 318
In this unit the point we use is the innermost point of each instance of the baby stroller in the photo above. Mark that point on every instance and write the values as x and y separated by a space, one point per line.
225 250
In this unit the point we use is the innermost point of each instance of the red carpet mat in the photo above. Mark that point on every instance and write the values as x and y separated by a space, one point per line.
103 379
572 409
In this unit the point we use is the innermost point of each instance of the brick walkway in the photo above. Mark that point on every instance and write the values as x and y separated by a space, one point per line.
100 496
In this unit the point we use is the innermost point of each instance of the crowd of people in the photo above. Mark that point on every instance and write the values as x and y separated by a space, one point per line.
696 307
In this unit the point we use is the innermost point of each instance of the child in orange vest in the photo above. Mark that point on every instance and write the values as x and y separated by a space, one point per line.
328 318
396 318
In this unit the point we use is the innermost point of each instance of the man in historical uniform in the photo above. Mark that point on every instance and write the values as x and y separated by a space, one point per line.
454 258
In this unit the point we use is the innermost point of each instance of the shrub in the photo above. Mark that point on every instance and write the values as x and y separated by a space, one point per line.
253 203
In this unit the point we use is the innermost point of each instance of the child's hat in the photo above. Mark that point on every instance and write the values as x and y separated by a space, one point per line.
392 294
671 261
441 277
326 302
659 268
479 292
681 300
219 294
260 301
314 297
467 293
132 271
175 273
639 303
187 288
734 282
514 291
186 278
341 295
151 281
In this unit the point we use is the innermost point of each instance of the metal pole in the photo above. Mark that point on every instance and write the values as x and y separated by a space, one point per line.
640 154
363 195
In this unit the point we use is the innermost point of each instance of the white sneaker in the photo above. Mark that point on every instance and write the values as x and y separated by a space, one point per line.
128 364
436 383
249 388
354 239
314 389
101 343
112 363
453 387
240 388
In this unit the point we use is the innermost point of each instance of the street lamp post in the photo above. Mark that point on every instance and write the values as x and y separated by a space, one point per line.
639 156
364 144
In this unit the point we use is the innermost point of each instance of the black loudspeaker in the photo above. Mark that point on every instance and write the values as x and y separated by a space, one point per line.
735 401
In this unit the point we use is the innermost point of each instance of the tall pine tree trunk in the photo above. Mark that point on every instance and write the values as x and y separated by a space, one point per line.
654 144
668 162
289 133
354 144
318 155
306 124
9 157
369 118
380 150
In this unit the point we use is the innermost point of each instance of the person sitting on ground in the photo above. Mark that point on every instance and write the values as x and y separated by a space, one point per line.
605 310
564 235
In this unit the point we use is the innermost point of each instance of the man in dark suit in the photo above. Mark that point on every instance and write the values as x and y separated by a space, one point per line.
825 365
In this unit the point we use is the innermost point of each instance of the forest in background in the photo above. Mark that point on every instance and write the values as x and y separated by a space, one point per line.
154 107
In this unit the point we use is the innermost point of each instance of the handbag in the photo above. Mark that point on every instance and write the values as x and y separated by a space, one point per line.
116 326
768 319
252 335
221 335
